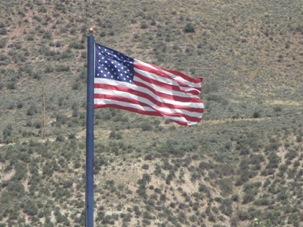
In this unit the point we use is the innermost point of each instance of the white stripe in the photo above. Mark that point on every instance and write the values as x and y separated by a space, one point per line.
150 93
173 76
164 90
171 82
184 81
150 103
139 107
182 119
125 104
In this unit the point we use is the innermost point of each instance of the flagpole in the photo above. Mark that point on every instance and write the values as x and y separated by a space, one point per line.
89 194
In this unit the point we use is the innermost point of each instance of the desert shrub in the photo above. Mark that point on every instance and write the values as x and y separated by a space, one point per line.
29 207
7 131
235 198
296 163
11 85
274 160
63 68
115 135
211 87
142 191
182 217
217 98
75 109
146 178
226 207
49 69
143 25
251 191
226 186
277 108
153 22
103 34
47 35
3 31
77 45
60 138
30 37
60 119
65 55
189 28
42 9
146 126
145 166
203 188
108 219
3 43
244 177
32 110
291 154
137 211
262 202
256 114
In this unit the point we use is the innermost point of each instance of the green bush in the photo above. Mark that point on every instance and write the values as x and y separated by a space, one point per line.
3 43
146 126
189 28
7 131
32 110
11 86
274 160
63 68
3 31
29 207
77 45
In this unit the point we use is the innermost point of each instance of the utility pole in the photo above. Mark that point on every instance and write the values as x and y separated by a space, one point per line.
43 114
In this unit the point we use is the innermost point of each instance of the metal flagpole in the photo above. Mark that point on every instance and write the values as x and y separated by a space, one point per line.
89 194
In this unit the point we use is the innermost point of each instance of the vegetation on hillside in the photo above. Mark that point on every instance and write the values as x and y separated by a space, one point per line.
241 166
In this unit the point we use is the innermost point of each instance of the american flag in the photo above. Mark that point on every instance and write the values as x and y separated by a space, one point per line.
126 83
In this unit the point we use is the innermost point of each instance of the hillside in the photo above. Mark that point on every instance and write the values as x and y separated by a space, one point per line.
242 162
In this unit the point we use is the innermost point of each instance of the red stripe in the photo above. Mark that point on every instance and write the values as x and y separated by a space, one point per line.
150 98
166 96
155 112
143 94
185 77
140 112
134 101
165 85
160 73
137 102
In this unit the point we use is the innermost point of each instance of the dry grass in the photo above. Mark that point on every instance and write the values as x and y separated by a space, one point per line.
249 53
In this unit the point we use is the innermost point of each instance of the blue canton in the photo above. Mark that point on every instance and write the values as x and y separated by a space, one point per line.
111 64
